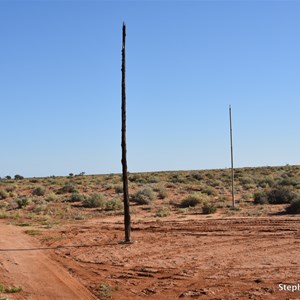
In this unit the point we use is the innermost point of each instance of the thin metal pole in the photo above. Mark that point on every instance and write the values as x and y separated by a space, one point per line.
232 169
127 222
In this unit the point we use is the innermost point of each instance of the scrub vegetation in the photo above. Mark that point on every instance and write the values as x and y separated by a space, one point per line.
52 200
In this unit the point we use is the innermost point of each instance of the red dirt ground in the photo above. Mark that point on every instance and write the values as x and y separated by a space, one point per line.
195 258
24 263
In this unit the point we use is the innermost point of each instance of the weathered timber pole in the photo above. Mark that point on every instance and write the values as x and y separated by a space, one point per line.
232 169
127 222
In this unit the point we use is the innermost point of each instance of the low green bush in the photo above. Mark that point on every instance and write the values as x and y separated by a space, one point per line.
119 189
68 188
162 213
192 200
178 179
3 194
266 182
152 179
144 196
76 197
281 196
39 191
197 176
11 188
93 201
260 197
294 207
113 204
51 197
288 182
34 180
162 193
22 202
209 191
246 180
9 290
138 178
208 208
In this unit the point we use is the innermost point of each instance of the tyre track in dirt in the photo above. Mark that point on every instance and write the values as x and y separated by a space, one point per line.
237 258
24 263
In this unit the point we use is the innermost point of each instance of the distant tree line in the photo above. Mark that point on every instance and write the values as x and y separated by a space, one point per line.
19 177
16 177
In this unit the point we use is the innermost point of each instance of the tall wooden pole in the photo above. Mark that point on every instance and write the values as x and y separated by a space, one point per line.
127 222
232 169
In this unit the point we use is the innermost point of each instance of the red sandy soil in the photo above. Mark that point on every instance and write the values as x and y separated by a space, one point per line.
23 263
170 258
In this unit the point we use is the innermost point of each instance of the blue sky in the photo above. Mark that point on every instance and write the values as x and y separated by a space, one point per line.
60 74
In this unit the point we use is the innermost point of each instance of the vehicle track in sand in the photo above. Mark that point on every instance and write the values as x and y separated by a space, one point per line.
24 263
210 259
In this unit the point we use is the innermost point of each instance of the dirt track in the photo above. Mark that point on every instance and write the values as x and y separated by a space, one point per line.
24 263
237 258
226 258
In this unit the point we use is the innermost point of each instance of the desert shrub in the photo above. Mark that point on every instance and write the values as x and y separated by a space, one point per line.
40 208
246 180
119 188
280 196
108 186
178 179
208 208
197 176
9 290
294 207
247 196
209 191
266 171
3 204
95 200
136 178
288 182
260 197
192 200
12 194
4 214
78 216
3 194
51 197
223 199
266 182
209 175
34 180
22 202
144 196
162 193
76 197
68 188
11 188
113 204
275 196
249 186
39 191
152 179
162 213
216 183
